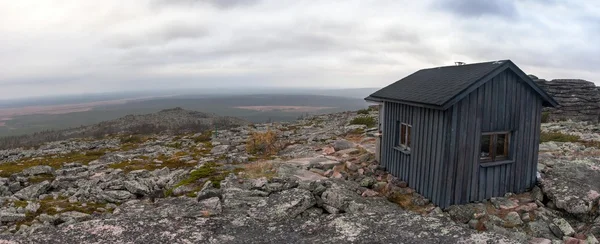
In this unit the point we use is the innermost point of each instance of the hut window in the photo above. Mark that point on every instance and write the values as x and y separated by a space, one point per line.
494 146
404 140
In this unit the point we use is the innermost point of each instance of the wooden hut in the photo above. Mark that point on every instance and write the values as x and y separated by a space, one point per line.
463 133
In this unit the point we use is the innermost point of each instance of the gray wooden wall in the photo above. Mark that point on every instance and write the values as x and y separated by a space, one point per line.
443 164
422 169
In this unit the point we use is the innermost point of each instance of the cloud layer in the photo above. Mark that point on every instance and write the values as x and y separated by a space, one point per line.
68 47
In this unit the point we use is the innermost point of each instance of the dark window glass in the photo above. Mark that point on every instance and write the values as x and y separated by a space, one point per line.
405 131
402 134
501 146
486 153
409 128
494 146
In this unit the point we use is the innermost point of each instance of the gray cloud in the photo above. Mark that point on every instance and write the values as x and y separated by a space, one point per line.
157 44
223 4
477 8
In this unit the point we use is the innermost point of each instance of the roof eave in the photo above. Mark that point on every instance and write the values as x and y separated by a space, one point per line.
416 104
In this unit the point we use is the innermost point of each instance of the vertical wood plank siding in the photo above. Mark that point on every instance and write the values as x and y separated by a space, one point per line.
443 164
422 169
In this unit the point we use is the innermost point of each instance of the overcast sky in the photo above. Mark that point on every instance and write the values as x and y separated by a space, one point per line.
51 47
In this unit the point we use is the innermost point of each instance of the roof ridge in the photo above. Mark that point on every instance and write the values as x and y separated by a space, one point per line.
502 61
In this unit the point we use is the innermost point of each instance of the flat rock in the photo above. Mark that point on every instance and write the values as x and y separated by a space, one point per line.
181 220
298 173
342 145
564 226
282 205
573 186
33 191
11 217
38 170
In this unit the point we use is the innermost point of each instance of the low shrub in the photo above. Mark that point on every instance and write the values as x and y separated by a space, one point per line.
204 137
558 137
364 120
363 111
263 143
545 117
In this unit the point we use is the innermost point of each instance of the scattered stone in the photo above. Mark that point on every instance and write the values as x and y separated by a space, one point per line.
513 219
32 207
32 192
503 203
368 182
38 170
339 145
540 241
136 187
74 216
537 194
209 191
116 196
369 193
564 226
211 206
11 217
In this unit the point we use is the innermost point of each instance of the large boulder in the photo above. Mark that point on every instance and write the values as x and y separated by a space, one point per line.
343 144
33 191
136 187
578 99
285 204
38 170
573 186
116 196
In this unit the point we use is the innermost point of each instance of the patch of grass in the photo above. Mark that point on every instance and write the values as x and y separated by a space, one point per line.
208 171
40 178
545 117
176 145
263 143
54 161
172 162
363 111
558 137
364 120
20 204
204 137
205 171
52 206
357 131
405 201
260 169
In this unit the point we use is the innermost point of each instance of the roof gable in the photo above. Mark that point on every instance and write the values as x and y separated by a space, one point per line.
442 87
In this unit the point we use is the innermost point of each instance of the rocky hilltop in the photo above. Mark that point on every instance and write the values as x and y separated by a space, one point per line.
314 180
579 99
169 121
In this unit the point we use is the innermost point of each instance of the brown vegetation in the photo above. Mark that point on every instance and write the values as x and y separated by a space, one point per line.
263 143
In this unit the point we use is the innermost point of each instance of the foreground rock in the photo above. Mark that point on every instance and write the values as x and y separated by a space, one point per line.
288 216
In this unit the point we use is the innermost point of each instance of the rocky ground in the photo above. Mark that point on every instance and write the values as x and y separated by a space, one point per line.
311 181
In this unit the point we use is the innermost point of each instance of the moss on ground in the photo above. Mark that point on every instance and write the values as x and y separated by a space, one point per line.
40 178
54 161
364 120
53 206
558 137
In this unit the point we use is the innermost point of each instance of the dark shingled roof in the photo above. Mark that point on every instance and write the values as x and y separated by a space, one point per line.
437 86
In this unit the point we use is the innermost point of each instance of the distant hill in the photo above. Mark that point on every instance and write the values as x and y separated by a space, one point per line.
171 121
280 107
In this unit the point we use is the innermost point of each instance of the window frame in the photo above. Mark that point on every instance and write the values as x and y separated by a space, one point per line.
403 141
494 145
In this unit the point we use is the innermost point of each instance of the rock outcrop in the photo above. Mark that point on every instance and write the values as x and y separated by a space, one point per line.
579 99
